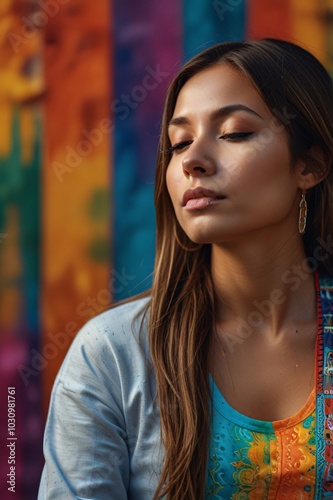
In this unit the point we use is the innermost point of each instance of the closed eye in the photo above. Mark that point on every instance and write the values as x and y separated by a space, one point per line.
236 136
232 137
178 146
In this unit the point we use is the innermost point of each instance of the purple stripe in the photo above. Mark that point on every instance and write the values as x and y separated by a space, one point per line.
148 50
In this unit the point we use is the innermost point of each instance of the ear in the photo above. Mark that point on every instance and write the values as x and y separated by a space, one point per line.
311 170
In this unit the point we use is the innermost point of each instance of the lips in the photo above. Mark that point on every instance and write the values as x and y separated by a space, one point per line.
194 194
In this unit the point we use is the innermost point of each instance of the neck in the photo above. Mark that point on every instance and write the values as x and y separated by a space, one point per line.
266 282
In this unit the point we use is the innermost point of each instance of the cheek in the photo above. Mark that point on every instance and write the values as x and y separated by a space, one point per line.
266 165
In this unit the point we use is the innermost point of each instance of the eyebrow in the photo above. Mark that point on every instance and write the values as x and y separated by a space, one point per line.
217 114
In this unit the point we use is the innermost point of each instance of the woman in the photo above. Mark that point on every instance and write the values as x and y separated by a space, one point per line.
216 388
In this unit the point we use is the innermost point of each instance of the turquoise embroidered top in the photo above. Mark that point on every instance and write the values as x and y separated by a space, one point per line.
286 459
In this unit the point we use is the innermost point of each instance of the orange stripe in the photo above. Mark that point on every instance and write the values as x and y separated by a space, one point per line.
269 19
76 178
309 27
304 22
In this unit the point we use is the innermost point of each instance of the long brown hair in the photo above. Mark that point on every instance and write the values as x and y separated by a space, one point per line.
298 91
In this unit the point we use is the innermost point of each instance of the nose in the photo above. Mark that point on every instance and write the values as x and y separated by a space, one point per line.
198 162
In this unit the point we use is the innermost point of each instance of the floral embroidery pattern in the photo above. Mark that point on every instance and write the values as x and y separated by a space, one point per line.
278 465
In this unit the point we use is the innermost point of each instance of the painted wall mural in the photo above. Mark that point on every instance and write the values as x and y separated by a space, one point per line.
82 85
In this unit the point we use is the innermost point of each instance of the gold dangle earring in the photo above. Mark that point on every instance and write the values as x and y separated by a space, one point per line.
194 249
303 211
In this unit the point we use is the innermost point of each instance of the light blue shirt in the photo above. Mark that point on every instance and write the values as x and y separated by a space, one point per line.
102 437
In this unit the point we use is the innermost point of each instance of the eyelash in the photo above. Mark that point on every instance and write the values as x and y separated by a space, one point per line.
233 137
179 146
236 136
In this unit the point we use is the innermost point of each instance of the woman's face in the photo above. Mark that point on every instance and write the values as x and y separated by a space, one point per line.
230 169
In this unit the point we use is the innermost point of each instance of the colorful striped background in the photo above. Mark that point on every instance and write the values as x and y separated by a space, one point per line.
81 93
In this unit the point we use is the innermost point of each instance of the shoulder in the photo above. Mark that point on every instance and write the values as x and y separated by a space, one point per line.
101 424
118 325
109 344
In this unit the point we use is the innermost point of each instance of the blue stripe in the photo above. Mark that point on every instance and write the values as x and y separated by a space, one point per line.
147 45
207 23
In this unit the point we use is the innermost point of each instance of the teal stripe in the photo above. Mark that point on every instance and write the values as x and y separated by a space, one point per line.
20 188
207 23
29 205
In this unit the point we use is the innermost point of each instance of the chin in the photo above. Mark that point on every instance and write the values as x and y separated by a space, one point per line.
201 239
208 238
